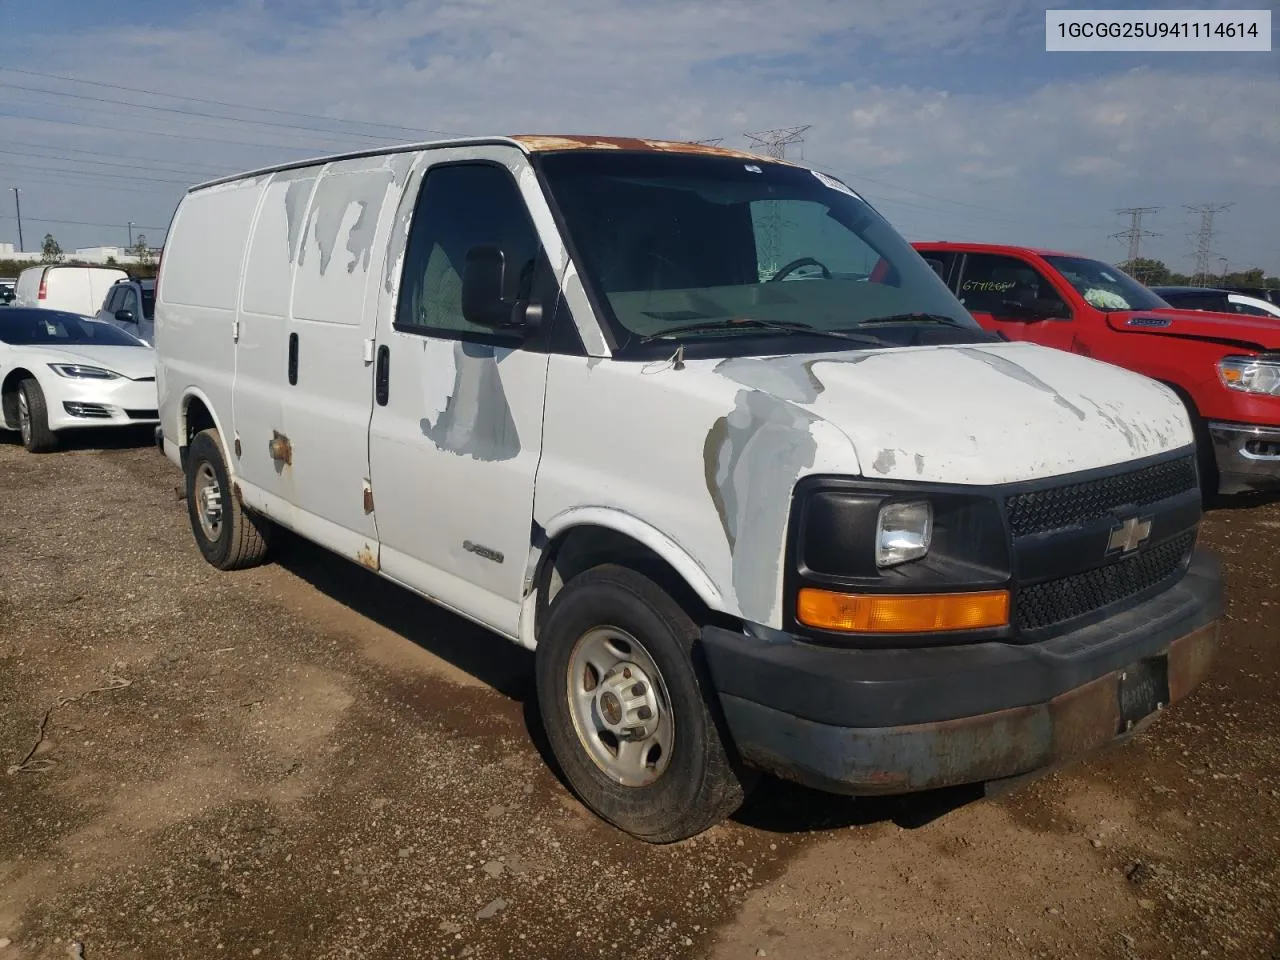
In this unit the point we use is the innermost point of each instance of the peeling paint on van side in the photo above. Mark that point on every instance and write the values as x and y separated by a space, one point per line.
476 421
752 458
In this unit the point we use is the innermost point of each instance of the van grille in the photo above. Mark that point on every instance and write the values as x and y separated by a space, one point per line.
1075 504
1056 601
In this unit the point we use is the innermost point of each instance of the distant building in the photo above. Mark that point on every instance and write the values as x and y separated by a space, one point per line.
84 255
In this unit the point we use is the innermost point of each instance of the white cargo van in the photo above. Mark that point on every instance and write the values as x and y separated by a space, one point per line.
702 429
69 287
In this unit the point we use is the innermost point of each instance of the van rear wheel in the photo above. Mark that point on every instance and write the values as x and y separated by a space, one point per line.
229 536
630 718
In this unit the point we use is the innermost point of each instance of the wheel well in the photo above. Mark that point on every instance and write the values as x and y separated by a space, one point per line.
197 417
9 393
580 548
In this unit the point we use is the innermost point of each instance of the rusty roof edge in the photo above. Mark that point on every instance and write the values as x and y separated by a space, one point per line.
527 142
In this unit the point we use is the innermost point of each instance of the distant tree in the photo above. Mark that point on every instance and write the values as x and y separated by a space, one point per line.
50 251
141 250
111 262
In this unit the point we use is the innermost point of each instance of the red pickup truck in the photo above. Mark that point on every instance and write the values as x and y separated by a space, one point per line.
1225 367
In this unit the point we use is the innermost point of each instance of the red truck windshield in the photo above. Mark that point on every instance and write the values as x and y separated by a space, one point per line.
1105 287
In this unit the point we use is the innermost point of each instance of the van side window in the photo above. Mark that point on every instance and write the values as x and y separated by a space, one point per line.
990 280
461 206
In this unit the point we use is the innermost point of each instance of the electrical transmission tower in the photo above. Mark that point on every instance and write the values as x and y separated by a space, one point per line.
773 143
1204 239
1134 235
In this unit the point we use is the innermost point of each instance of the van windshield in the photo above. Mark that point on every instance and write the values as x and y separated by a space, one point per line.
1105 287
681 242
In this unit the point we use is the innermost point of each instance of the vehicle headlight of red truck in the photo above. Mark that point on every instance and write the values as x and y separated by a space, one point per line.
1259 374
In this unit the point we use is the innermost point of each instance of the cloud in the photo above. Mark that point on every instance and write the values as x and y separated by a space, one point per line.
1045 157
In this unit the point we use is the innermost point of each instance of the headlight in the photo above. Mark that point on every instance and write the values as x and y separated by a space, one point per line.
1258 375
79 371
903 532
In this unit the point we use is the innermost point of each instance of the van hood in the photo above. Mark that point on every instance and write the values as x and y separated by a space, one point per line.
136 363
971 414
1258 333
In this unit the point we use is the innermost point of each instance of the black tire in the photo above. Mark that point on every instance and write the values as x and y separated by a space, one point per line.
702 783
36 435
242 537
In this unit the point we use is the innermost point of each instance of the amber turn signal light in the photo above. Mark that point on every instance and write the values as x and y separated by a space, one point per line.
901 613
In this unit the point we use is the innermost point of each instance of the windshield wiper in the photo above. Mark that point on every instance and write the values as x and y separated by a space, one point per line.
779 325
914 318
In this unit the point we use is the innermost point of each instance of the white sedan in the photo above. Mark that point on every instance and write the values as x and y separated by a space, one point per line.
61 370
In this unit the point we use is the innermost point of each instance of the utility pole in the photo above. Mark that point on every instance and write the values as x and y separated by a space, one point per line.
18 204
130 234
1204 239
774 143
1133 236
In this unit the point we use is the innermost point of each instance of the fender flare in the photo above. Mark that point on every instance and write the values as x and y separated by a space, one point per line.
643 532
195 393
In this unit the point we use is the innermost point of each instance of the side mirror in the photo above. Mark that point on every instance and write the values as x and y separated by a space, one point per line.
125 316
484 300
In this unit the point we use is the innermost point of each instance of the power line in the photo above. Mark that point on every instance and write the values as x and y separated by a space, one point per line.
101 163
194 114
1204 239
117 156
155 133
88 173
1135 233
79 223
225 103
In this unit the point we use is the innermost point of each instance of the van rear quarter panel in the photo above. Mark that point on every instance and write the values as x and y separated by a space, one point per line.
199 289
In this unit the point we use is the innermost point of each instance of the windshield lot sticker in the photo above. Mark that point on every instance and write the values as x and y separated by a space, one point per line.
834 184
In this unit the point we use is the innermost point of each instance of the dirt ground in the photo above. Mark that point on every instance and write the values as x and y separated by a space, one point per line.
304 761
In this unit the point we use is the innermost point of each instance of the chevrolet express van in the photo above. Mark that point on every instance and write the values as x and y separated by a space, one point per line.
702 430
73 288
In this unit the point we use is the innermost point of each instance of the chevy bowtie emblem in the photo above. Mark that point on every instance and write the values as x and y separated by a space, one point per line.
1128 536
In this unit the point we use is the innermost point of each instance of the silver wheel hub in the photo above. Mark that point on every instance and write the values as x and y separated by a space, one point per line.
620 708
24 415
208 497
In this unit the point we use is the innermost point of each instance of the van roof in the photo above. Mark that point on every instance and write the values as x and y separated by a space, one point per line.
530 143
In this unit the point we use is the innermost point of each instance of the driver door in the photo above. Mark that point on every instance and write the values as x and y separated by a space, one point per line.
1011 296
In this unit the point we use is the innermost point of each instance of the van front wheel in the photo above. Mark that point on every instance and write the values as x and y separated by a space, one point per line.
230 537
629 719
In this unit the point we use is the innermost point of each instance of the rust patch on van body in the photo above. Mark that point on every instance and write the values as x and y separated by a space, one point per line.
280 448
365 557
535 143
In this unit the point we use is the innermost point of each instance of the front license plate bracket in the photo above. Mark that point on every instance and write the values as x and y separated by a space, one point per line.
1143 689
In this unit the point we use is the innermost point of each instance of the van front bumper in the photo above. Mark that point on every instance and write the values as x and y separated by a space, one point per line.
1248 456
889 721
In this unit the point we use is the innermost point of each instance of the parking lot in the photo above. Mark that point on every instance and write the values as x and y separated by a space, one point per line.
303 761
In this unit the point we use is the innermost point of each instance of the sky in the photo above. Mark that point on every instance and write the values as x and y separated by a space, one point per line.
949 117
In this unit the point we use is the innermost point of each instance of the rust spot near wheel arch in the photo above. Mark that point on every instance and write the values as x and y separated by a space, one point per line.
366 558
236 492
280 448
536 143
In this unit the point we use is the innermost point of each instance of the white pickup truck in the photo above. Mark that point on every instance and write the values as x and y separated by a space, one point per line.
705 432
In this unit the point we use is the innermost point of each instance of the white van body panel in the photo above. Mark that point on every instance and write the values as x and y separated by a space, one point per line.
482 454
75 289
708 454
453 456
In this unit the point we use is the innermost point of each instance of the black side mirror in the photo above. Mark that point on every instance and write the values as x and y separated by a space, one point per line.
125 316
1032 309
484 299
